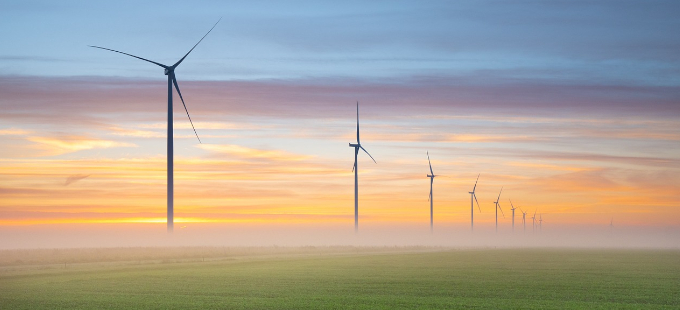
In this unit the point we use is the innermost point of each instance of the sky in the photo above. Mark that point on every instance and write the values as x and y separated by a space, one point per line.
571 107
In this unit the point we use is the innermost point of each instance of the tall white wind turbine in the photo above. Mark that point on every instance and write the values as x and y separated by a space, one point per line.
170 72
356 147
473 199
431 176
498 206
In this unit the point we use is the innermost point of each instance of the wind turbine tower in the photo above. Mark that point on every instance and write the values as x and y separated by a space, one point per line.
524 219
533 220
356 147
473 198
498 206
170 72
513 215
540 222
431 176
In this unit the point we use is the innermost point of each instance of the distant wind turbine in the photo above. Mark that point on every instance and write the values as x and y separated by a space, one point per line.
524 219
356 147
513 215
540 222
431 176
170 72
533 219
472 205
498 206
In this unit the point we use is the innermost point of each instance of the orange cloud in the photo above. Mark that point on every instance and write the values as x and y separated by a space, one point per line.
70 144
245 152
138 133
13 132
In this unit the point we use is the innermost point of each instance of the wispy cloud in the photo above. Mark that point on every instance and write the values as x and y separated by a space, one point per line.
74 178
137 133
201 125
41 99
579 181
242 152
14 132
62 145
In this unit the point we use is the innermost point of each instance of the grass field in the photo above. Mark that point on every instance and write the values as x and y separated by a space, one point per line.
339 278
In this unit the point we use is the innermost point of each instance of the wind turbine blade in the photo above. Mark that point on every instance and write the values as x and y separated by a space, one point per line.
369 155
513 207
428 199
108 49
473 189
354 166
358 142
199 41
174 81
499 195
428 161
499 207
480 209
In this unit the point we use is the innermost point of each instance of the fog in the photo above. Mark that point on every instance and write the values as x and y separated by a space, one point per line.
372 234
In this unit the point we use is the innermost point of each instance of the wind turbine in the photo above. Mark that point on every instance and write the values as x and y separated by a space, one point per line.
533 219
498 206
170 72
356 147
540 222
524 219
513 215
431 176
472 206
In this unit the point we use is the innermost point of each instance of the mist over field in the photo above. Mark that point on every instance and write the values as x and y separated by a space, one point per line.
240 235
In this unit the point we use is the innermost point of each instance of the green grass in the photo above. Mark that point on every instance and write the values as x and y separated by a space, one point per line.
362 279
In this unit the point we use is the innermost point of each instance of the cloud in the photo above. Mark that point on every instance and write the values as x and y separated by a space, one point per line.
242 152
215 104
402 135
137 133
200 125
75 178
13 132
579 181
70 144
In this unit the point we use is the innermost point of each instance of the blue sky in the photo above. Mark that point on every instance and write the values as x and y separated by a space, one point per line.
601 42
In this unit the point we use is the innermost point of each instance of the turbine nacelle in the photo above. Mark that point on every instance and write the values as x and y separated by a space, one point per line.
354 145
431 176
